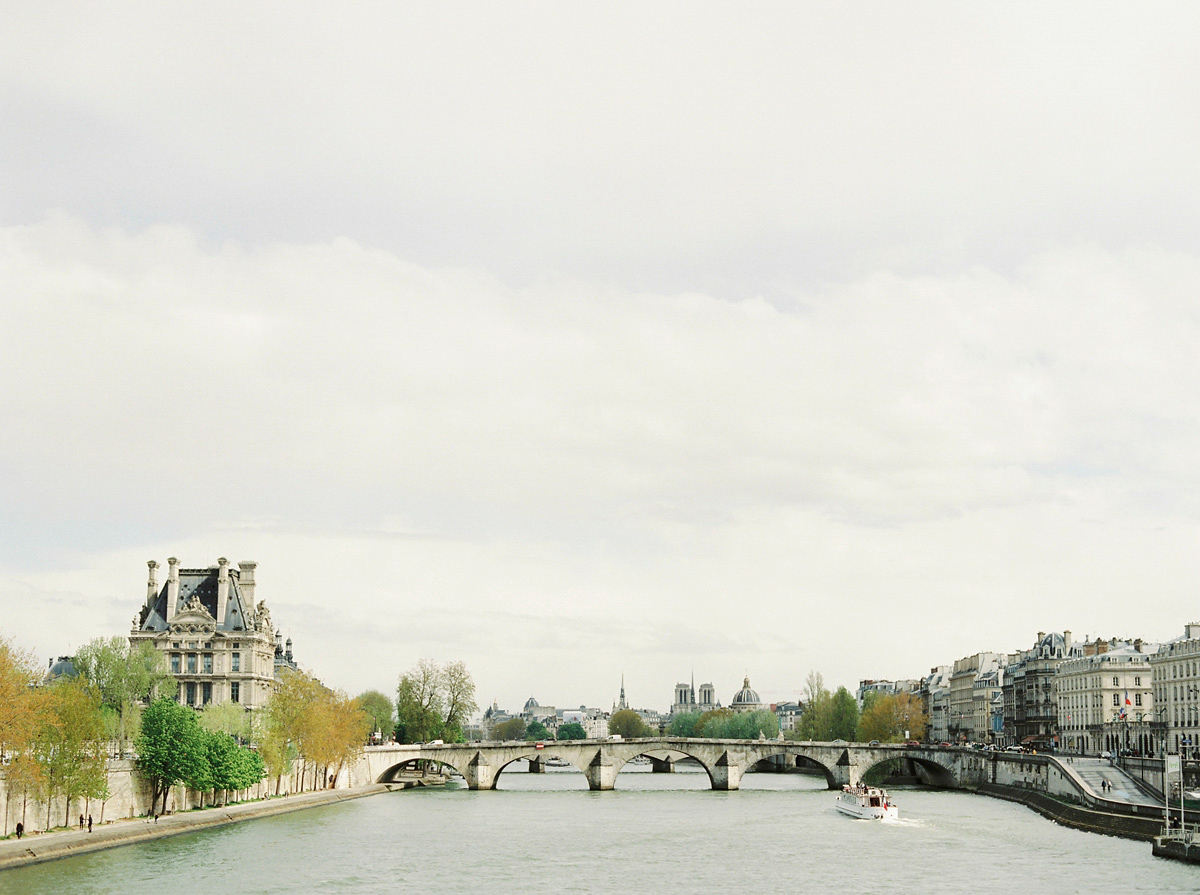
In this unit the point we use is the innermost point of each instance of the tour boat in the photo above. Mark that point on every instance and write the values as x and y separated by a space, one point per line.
866 802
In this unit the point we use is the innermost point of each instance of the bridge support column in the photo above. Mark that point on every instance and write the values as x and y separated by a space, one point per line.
480 774
726 774
600 772
537 765
662 766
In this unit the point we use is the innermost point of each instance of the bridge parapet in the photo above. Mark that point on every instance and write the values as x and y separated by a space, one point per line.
725 761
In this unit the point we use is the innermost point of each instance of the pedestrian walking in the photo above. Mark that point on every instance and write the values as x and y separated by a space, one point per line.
89 823
20 829
81 821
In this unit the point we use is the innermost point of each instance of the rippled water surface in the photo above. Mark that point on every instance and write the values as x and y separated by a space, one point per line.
656 832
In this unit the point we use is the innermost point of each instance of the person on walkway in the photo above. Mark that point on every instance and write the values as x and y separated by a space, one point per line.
81 821
20 829
89 823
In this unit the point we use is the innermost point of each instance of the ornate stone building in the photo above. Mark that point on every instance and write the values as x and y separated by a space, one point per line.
1176 679
218 643
1106 698
746 699
1030 713
688 700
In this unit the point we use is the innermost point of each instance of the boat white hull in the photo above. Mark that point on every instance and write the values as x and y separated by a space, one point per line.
866 803
862 813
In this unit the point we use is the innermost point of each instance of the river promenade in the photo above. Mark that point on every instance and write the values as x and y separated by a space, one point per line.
38 847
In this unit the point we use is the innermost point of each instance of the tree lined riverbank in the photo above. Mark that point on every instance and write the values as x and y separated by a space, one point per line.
38 847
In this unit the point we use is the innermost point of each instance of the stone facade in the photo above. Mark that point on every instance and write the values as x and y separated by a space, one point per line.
1030 709
688 699
218 643
1176 679
969 707
1106 699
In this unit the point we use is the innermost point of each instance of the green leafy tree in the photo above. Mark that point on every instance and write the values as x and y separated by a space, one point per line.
512 729
20 708
628 724
572 731
743 726
843 715
70 743
125 678
229 718
171 749
536 730
222 750
708 720
434 702
887 716
418 704
380 709
816 721
458 696
284 724
683 724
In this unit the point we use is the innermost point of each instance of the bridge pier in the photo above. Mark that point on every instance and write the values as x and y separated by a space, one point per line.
662 765
537 765
601 774
726 773
480 774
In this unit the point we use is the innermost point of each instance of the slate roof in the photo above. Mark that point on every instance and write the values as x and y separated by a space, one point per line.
200 583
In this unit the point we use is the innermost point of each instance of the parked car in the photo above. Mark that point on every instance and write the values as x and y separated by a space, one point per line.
1106 754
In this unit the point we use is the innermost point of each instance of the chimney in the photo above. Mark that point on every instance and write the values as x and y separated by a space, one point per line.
1067 641
246 583
1137 645
172 587
152 584
222 590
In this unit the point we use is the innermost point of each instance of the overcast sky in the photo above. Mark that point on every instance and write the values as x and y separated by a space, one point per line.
580 340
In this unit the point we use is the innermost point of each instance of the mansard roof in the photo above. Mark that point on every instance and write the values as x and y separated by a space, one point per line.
198 587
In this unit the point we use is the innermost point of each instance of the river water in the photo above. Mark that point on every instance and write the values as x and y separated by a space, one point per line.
668 833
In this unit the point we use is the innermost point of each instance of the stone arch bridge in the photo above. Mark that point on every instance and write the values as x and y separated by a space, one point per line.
725 761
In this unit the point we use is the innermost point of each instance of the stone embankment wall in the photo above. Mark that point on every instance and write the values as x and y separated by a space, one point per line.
1049 787
130 796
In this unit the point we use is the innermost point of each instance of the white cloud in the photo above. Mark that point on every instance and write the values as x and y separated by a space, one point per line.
682 147
572 341
559 482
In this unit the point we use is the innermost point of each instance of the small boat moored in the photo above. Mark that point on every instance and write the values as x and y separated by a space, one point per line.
867 803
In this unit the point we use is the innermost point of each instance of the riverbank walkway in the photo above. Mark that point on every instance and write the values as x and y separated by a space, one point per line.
37 847
1122 787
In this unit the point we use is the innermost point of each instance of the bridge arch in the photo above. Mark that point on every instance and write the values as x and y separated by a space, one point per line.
928 769
656 754
390 774
800 757
532 754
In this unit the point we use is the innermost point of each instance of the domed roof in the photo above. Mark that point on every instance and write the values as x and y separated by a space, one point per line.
1052 646
746 696
62 667
531 703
